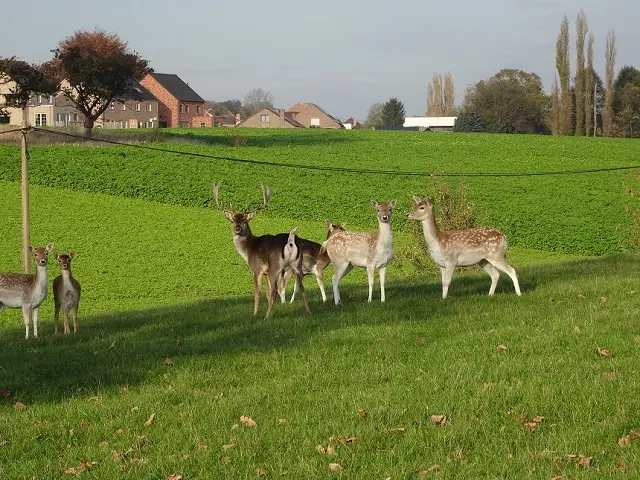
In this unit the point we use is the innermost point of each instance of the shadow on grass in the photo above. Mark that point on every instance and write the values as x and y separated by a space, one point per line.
276 139
128 348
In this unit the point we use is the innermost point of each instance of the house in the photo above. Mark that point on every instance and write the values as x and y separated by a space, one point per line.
179 104
351 124
311 115
227 119
433 124
272 118
139 109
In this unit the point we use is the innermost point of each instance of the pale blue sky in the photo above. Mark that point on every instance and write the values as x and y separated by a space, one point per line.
342 55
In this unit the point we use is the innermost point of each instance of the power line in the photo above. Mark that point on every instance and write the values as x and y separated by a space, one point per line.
10 131
326 168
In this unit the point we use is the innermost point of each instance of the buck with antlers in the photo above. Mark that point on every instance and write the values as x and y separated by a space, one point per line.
370 250
27 290
482 246
314 262
266 255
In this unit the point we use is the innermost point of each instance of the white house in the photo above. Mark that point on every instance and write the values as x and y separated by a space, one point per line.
435 124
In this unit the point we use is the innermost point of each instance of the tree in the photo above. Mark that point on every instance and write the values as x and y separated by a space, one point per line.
449 95
393 113
564 77
374 117
440 96
610 58
581 33
556 106
511 101
256 100
589 94
28 80
97 68
626 102
469 121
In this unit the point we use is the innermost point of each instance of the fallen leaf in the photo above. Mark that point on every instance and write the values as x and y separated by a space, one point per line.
71 432
201 447
321 450
636 338
84 425
580 295
634 434
335 467
19 406
4 443
362 413
225 460
604 353
84 465
624 441
282 420
248 421
398 430
531 426
432 468
585 461
135 409
538 419
227 447
559 477
438 419
523 350
331 450
104 444
493 331
168 361
261 472
113 345
576 330
120 431
150 420
619 467
178 341
554 426
125 389
421 341
522 419
609 374
175 476
604 299
501 347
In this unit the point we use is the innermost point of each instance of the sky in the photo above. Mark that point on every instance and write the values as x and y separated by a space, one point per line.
341 55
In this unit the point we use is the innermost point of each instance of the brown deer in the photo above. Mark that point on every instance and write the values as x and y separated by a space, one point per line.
314 262
66 293
370 250
27 290
266 255
482 246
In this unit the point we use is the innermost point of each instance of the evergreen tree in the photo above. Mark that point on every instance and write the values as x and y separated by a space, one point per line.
393 113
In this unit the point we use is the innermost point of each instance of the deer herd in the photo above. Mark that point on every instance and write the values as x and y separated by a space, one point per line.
285 255
280 257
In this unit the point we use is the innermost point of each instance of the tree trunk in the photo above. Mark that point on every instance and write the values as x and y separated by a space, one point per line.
26 260
88 127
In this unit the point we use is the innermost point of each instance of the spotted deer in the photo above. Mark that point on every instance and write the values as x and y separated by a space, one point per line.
482 246
266 255
66 293
370 250
27 290
314 262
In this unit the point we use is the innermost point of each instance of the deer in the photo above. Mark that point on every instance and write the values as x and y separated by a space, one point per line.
66 293
314 262
483 246
27 290
370 250
266 255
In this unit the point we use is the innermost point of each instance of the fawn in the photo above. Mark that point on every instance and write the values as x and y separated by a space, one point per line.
482 246
27 290
66 293
266 255
314 262
370 250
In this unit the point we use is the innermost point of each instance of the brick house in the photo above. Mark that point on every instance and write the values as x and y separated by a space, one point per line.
311 115
271 118
179 105
137 110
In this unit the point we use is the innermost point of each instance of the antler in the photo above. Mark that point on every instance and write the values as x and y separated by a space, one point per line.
267 193
216 197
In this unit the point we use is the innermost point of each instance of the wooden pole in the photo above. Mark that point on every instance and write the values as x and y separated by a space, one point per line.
595 116
26 260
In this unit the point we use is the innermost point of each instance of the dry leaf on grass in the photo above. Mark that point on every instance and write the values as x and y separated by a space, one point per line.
342 440
4 443
609 374
559 477
398 430
425 473
84 465
538 419
261 472
335 467
225 460
580 459
604 299
135 409
168 361
576 330
636 338
282 420
421 341
150 420
439 419
227 447
19 406
624 441
531 426
362 413
175 476
604 353
501 347
248 421
321 450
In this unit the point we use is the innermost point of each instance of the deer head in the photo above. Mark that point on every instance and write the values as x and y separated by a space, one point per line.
41 254
240 219
384 210
333 227
64 260
422 209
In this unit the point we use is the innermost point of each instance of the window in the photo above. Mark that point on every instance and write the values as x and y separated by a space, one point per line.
188 108
137 107
5 119
39 99
41 119
202 125
148 107
113 105
51 99
315 122
181 108
123 124
124 106
264 118
198 108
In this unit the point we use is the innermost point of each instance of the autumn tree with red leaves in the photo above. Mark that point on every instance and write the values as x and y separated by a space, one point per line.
98 68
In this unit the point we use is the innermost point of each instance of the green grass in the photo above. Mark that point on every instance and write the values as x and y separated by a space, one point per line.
162 280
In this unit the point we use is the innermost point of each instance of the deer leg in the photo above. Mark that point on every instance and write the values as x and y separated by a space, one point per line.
341 269
493 273
273 292
383 274
35 321
75 320
26 317
285 281
55 318
320 280
65 319
370 277
299 278
502 264
257 286
447 273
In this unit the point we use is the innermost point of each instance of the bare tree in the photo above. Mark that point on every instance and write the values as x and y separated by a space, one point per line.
589 92
556 106
449 95
435 97
564 76
610 57
256 100
581 34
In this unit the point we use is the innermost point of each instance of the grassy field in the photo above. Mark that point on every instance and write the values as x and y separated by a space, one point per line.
169 358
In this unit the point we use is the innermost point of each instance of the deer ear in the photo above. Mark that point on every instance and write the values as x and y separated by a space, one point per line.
72 254
250 215
229 215
49 247
374 203
31 248
417 199
392 203
55 255
342 225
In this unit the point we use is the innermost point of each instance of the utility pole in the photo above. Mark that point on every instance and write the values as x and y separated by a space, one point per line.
26 260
